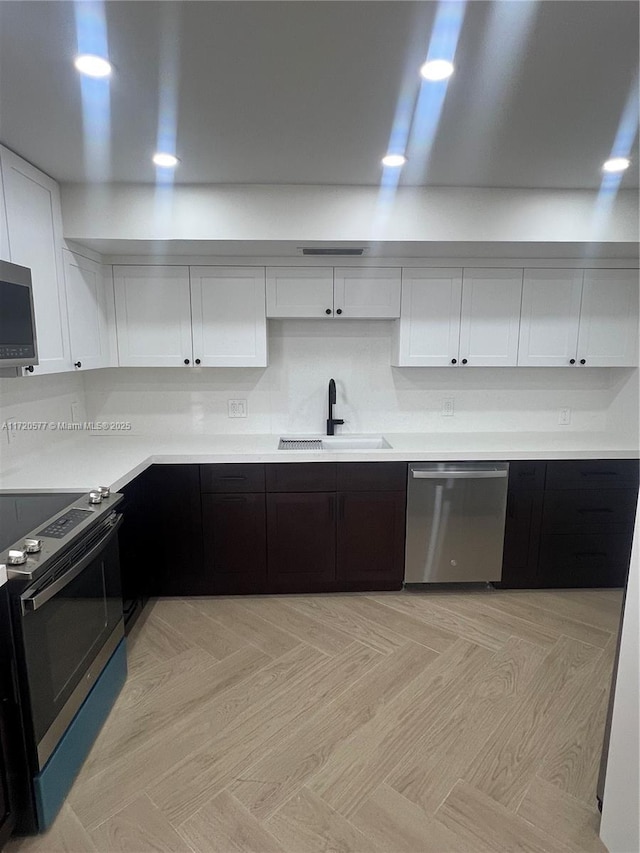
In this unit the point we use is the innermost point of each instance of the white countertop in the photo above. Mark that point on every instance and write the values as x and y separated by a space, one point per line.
83 462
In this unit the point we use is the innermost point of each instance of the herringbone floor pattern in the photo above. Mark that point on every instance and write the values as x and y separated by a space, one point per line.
452 722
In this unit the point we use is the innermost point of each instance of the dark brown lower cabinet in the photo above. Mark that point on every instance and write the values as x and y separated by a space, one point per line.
569 523
234 539
522 525
371 533
170 551
584 559
301 541
335 541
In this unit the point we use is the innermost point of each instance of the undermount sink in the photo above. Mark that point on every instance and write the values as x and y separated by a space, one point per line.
333 442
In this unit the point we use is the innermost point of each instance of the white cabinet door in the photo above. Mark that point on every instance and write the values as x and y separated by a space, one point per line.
428 332
4 233
34 228
550 317
300 292
110 307
87 304
153 316
367 293
490 317
229 319
608 334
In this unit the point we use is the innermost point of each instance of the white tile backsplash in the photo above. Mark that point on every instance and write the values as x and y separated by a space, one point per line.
291 394
44 399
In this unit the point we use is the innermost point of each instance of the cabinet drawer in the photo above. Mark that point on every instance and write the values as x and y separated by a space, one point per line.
527 475
301 477
593 559
591 550
593 474
591 510
231 478
372 476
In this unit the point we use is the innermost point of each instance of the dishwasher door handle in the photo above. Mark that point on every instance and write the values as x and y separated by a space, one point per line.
417 474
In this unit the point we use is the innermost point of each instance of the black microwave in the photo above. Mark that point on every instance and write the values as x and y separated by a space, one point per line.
18 346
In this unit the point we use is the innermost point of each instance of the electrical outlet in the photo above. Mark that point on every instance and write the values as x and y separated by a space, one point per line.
564 418
237 408
447 407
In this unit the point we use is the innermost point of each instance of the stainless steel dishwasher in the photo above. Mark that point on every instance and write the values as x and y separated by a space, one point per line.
455 522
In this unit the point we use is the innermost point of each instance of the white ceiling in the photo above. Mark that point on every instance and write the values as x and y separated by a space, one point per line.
306 92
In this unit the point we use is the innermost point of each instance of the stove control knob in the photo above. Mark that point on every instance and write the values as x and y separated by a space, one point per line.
95 498
16 558
32 546
105 491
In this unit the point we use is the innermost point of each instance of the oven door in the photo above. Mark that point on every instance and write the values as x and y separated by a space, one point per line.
71 622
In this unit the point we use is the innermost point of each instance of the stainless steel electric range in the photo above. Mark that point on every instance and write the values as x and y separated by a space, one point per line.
62 561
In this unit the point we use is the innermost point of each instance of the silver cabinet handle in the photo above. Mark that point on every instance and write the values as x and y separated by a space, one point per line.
458 475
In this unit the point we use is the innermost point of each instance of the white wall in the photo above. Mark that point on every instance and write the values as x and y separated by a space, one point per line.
321 213
33 399
290 394
620 825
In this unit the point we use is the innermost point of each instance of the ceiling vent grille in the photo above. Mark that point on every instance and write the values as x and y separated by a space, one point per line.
342 251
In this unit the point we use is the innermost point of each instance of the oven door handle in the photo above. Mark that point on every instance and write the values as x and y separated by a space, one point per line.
30 601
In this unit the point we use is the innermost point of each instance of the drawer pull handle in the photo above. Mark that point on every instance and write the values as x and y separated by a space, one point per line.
579 554
229 477
234 500
598 509
598 473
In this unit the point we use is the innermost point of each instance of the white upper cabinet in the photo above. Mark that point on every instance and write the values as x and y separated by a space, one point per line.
4 233
153 316
299 292
228 312
550 317
34 235
428 332
198 316
608 335
366 293
566 322
490 317
87 301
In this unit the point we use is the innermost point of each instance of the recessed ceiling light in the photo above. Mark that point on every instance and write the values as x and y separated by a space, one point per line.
437 69
616 164
394 160
166 161
93 66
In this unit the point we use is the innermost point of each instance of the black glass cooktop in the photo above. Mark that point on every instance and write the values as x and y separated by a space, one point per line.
21 514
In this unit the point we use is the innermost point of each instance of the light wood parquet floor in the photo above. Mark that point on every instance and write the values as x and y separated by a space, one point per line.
441 722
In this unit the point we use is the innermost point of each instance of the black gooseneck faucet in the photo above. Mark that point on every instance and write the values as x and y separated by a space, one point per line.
331 421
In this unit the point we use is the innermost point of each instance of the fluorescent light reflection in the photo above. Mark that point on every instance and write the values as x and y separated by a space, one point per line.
168 79
426 116
444 37
91 34
167 131
620 150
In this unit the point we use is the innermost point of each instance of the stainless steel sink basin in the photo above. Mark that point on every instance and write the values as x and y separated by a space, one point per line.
333 443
